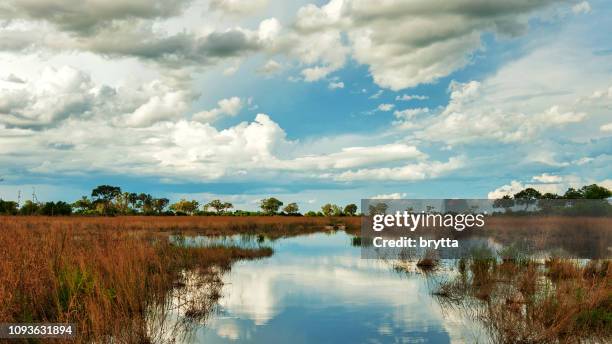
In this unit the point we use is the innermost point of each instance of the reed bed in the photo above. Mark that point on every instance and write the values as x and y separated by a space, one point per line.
105 275
523 301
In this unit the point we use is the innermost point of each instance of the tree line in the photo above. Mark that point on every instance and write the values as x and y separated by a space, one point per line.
553 203
110 200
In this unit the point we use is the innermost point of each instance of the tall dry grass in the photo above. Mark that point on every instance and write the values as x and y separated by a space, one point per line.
103 274
561 301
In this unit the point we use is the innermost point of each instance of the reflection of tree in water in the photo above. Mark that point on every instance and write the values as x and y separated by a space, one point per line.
188 305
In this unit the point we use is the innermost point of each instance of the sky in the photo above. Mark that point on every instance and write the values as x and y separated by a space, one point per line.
309 102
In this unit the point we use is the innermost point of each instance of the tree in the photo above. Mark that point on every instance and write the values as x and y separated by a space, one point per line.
8 207
105 192
55 209
82 205
185 207
291 209
595 191
350 209
29 208
527 197
159 204
331 210
572 193
378 208
505 202
270 205
145 203
219 206
103 196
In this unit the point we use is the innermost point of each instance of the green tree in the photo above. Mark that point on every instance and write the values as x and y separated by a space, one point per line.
270 205
185 207
103 196
572 193
378 208
159 204
29 208
105 192
8 207
82 205
595 191
350 209
291 209
527 197
145 203
55 209
331 210
505 202
219 206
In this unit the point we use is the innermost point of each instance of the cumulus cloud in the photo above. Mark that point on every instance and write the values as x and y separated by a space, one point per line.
45 101
468 117
84 17
238 6
164 107
606 127
411 172
441 40
230 107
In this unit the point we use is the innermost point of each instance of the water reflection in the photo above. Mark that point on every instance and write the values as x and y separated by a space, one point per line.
317 289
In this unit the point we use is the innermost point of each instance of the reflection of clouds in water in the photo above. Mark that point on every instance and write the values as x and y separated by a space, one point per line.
227 329
257 292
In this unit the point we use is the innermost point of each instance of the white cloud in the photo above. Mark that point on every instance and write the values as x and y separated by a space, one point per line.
395 195
164 107
335 85
385 107
440 43
606 127
408 97
238 6
582 7
55 95
376 95
410 113
419 171
547 178
270 67
230 107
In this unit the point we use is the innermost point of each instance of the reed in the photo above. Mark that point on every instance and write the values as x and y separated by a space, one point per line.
104 275
561 301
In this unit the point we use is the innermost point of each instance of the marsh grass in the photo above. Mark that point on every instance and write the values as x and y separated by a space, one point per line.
111 280
522 301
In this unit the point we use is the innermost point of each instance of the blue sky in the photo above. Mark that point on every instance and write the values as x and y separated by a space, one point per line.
308 102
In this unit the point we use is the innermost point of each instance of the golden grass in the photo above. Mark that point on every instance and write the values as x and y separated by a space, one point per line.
106 274
562 301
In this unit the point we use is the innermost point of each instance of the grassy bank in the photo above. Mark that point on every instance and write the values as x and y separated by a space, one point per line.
269 226
103 274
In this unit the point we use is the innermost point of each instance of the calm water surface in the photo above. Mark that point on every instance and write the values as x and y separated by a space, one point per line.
317 289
